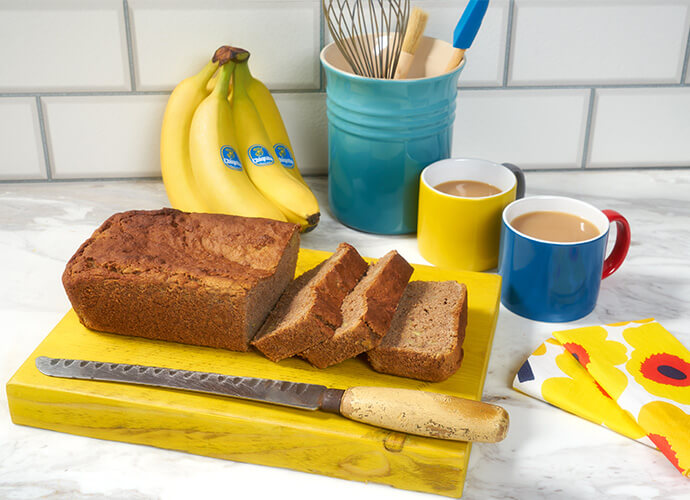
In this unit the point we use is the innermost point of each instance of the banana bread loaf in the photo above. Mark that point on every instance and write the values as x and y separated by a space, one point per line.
426 334
309 310
203 279
367 312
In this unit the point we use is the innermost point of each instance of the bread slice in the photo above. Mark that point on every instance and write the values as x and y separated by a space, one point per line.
367 312
426 334
308 312
202 279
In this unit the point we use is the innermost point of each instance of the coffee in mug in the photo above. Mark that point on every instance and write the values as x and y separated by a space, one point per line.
555 226
468 189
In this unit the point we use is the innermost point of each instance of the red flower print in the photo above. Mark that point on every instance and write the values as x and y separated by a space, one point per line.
666 369
665 447
601 389
578 352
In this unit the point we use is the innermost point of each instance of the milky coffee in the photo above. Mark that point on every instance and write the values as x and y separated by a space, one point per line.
467 189
555 226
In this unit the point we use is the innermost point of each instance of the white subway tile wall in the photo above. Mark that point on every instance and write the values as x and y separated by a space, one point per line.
532 128
557 84
595 42
48 45
173 38
20 140
305 119
641 127
104 136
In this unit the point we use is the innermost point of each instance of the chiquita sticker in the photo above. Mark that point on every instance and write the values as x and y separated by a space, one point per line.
260 156
230 158
284 155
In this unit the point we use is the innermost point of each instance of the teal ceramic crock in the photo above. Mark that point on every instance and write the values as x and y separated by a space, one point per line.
381 135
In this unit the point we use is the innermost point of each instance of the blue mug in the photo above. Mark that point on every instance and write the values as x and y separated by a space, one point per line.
557 281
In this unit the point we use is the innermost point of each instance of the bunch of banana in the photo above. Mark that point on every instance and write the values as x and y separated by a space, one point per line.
231 154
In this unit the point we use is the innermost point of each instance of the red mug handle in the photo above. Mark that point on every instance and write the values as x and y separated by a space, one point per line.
620 248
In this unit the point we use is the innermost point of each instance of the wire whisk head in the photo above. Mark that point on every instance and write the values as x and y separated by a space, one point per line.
368 33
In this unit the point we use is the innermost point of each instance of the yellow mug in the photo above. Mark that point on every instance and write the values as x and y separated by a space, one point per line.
464 232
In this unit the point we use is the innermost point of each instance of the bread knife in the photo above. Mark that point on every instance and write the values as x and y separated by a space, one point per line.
414 412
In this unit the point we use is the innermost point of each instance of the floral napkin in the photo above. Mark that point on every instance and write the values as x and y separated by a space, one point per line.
633 378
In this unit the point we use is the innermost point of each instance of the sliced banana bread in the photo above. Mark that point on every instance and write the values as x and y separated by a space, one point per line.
308 312
426 334
367 312
203 279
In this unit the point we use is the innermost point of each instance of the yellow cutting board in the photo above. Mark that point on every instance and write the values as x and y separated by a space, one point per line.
245 431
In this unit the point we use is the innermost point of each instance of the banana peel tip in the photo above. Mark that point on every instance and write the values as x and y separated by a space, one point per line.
312 222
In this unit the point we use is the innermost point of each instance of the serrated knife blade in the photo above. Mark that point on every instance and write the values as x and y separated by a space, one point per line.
280 392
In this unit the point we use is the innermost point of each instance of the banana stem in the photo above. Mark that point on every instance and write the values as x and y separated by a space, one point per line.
226 71
242 78
206 73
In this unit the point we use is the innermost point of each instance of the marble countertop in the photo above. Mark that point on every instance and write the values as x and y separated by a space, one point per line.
548 453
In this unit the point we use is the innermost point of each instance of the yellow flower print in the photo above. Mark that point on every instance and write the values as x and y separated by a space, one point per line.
540 351
659 363
582 396
669 428
623 323
585 343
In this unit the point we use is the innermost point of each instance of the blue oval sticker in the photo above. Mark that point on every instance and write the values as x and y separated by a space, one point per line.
284 155
260 156
230 158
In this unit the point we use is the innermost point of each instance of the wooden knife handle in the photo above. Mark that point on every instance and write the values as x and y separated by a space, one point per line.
425 414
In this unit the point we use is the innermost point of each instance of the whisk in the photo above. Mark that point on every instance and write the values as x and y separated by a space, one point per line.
369 33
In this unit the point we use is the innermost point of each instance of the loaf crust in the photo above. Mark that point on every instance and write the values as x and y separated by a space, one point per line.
367 312
308 312
427 332
202 279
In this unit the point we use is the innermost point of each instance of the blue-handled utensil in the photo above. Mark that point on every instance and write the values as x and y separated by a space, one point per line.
466 30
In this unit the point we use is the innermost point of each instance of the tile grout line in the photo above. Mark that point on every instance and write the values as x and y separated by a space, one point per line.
84 93
611 169
98 93
580 86
44 138
588 128
684 70
79 179
322 41
509 43
130 50
101 93
533 170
